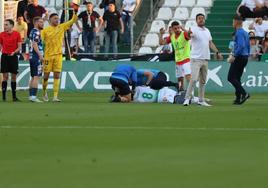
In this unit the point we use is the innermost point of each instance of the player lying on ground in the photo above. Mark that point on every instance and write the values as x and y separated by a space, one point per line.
36 58
153 78
165 95
122 77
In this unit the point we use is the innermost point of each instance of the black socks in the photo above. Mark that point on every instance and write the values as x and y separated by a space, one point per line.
4 90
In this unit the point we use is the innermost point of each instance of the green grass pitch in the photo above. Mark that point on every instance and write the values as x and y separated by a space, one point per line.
87 142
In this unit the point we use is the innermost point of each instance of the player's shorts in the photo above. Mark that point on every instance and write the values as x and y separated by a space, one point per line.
23 47
166 95
9 64
36 67
183 70
120 86
53 63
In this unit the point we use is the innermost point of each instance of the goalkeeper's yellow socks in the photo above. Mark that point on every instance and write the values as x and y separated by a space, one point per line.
45 83
56 86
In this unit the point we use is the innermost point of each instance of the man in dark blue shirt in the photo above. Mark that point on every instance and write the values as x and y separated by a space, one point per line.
122 77
239 60
36 53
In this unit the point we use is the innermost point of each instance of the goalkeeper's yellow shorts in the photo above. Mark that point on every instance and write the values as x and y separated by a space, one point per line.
53 63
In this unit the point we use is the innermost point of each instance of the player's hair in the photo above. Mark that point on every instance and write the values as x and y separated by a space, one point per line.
251 32
238 18
252 38
111 2
52 15
88 2
175 23
10 21
36 19
199 14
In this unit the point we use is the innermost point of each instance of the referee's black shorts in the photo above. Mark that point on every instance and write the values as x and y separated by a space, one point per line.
9 64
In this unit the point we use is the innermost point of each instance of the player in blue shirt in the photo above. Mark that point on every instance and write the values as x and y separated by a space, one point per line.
36 57
153 78
121 79
239 61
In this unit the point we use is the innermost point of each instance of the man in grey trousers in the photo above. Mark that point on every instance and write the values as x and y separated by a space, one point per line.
200 55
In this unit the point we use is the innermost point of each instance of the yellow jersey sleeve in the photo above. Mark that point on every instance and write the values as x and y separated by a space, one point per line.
68 24
43 35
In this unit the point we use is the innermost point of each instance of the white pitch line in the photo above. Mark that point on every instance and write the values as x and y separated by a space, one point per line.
144 128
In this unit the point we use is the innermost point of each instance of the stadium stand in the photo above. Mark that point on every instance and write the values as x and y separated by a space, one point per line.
164 14
219 21
187 3
151 40
183 11
145 50
171 3
197 10
158 50
157 25
219 15
204 3
189 24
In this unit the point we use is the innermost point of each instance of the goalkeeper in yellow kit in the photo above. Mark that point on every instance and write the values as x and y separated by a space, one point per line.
52 36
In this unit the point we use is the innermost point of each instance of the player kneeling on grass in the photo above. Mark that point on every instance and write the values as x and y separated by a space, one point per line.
36 58
122 77
155 79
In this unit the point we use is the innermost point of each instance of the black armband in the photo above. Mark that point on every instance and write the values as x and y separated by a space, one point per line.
133 86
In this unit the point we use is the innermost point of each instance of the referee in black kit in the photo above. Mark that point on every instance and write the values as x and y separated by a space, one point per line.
239 61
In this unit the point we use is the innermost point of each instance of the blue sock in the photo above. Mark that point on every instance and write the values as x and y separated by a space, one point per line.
34 91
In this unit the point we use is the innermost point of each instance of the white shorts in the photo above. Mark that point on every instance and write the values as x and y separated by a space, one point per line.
166 95
183 70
